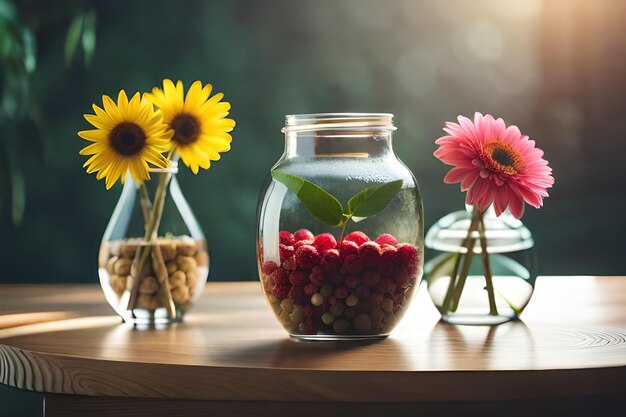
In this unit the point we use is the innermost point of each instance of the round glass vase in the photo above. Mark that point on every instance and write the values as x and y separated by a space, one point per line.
153 278
318 287
510 258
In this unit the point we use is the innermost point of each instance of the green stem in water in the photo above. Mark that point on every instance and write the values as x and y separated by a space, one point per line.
467 262
453 276
493 309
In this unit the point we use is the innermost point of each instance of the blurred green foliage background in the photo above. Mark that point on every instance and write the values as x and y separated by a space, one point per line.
554 68
424 61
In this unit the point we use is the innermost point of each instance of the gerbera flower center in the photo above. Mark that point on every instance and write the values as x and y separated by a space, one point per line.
127 139
186 128
502 157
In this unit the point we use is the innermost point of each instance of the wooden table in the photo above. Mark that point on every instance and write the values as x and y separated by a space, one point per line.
232 358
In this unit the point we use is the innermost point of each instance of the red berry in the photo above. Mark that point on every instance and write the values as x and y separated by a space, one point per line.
401 278
363 306
342 292
269 267
280 276
312 311
298 296
311 289
370 254
357 237
407 256
385 286
371 278
353 264
352 281
331 259
299 278
281 291
318 279
332 299
386 239
311 325
289 263
376 298
336 278
303 234
348 248
286 238
302 243
307 257
325 241
285 251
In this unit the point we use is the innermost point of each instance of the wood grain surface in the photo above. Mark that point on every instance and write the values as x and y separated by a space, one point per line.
65 340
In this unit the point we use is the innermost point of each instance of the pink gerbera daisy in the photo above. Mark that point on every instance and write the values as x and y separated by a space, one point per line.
495 164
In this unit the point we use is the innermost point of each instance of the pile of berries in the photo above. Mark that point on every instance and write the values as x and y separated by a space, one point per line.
359 286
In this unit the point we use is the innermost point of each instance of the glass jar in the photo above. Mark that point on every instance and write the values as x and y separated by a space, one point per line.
323 284
511 258
153 279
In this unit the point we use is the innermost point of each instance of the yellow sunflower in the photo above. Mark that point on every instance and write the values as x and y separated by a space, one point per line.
128 136
199 122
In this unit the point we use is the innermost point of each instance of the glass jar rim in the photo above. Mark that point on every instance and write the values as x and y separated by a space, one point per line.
337 121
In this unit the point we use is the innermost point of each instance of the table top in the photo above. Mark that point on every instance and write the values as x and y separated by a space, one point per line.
66 339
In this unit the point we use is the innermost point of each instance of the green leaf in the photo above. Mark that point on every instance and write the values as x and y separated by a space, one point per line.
372 200
323 205
72 38
89 36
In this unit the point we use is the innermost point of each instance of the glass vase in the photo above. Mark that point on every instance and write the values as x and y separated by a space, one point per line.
153 278
322 284
510 258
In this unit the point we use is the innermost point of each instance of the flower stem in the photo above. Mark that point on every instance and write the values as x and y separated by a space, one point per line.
493 309
467 262
453 276
152 226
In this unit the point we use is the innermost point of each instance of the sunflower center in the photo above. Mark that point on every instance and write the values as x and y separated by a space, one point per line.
186 129
127 138
503 158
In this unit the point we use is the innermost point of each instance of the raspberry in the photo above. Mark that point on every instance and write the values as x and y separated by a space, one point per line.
376 298
269 267
331 259
353 264
332 299
357 237
325 241
286 238
388 259
363 306
285 251
311 289
342 293
303 234
280 276
362 292
385 286
307 257
312 311
370 254
302 243
348 248
386 239
371 278
318 278
289 263
311 325
298 296
401 277
352 281
281 291
336 278
407 256
299 278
